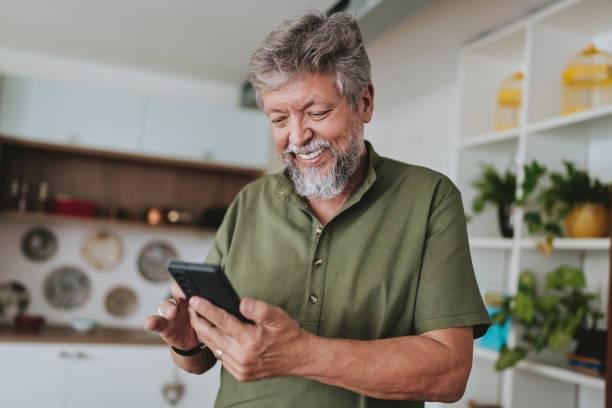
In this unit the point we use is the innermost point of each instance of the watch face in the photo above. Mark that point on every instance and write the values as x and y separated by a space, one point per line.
102 250
67 288
121 301
39 244
153 260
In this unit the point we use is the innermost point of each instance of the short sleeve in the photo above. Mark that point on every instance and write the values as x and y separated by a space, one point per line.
448 295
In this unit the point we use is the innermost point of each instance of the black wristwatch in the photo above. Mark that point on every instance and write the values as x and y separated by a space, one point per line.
191 351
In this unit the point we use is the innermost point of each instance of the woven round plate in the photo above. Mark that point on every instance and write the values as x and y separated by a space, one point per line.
39 244
154 258
102 250
121 301
67 288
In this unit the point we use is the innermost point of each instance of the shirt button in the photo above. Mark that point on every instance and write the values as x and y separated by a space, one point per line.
319 230
313 299
318 262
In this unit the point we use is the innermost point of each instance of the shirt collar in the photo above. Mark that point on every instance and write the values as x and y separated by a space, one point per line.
284 189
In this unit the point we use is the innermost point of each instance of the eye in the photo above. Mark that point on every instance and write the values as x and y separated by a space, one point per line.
278 120
318 114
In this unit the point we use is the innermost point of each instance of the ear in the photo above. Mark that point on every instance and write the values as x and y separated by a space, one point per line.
366 103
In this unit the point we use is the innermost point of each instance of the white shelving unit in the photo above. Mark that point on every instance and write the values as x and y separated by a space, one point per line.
540 45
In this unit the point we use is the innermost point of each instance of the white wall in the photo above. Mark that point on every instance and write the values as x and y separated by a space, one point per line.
192 247
419 130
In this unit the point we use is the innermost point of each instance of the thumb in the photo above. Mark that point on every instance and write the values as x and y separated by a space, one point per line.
258 310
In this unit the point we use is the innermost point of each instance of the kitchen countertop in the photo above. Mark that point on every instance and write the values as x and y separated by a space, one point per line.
66 334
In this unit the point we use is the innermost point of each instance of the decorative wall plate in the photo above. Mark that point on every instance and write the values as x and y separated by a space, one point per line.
67 288
153 259
14 298
39 244
121 301
102 250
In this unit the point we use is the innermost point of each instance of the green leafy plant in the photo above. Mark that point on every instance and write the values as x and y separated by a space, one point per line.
500 188
566 191
550 319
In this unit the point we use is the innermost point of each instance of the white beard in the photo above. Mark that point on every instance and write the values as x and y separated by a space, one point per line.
316 183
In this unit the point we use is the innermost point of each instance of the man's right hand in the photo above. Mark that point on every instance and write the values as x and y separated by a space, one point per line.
174 326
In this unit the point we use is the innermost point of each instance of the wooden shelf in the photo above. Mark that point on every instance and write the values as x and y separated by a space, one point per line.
44 218
66 334
577 244
489 138
546 370
133 157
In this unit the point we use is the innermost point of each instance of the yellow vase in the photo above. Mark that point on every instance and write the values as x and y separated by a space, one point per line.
589 220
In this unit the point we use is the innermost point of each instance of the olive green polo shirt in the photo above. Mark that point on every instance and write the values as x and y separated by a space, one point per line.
394 261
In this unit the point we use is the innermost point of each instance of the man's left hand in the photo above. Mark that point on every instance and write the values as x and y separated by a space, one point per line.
274 346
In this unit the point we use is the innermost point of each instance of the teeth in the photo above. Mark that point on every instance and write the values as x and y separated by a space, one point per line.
311 155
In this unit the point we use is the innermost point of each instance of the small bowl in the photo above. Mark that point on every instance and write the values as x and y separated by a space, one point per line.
83 324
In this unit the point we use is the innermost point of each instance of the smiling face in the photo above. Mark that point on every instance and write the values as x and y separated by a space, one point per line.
317 133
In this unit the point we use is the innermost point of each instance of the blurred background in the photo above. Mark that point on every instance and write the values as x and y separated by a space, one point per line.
126 129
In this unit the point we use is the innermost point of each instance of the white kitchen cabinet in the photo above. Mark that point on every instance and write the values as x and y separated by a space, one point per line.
70 114
51 111
32 375
27 109
76 375
199 131
98 118
103 376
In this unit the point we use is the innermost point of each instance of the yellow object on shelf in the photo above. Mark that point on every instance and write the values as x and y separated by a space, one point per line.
509 100
587 81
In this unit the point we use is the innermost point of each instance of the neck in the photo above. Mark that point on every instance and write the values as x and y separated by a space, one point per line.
326 209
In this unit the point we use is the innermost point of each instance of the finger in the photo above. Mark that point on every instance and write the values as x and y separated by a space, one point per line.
167 309
155 324
260 311
176 291
221 319
234 368
207 333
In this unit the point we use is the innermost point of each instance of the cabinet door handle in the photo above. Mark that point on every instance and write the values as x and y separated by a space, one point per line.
81 355
64 354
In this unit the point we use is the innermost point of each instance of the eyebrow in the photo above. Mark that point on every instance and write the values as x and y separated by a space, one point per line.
308 104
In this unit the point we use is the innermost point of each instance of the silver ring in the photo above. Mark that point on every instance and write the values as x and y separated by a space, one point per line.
172 300
218 354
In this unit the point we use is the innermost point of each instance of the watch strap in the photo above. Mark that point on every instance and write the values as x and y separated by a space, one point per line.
191 352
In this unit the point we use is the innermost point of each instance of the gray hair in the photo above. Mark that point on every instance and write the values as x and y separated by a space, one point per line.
313 43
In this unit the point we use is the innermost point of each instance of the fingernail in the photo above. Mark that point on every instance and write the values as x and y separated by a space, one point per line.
245 305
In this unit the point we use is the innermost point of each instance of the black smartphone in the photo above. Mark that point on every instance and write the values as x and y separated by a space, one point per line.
207 281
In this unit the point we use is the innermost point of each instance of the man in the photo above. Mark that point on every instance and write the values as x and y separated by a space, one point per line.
355 268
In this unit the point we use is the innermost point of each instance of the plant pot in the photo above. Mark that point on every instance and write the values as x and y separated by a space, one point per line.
588 220
504 216
591 343
590 355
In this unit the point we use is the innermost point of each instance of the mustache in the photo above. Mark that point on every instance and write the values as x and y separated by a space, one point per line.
311 146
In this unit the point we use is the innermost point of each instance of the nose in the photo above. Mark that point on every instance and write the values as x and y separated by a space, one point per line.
299 134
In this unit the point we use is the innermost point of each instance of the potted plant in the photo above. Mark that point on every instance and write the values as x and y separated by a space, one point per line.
500 189
550 319
575 200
